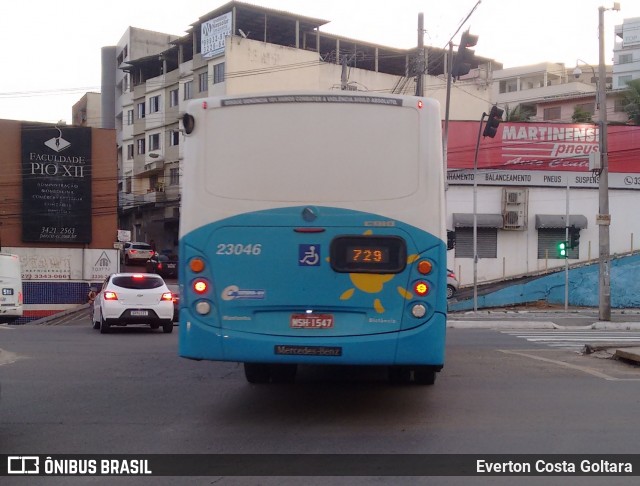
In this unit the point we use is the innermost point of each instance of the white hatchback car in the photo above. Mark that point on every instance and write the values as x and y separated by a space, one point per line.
133 298
137 252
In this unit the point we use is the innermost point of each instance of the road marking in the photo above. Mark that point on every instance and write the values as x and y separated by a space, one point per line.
584 369
575 339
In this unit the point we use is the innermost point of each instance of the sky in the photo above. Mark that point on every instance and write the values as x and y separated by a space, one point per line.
51 51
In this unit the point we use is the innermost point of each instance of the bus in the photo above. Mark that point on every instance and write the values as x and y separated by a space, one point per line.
11 298
312 232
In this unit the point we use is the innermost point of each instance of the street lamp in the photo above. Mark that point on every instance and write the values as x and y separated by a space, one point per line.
577 72
603 219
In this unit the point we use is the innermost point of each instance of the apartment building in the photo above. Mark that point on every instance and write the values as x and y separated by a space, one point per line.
626 53
241 48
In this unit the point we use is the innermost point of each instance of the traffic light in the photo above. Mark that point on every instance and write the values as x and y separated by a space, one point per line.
495 117
464 57
574 237
562 248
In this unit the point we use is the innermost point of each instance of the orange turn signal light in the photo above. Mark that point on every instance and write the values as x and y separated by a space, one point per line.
196 265
425 267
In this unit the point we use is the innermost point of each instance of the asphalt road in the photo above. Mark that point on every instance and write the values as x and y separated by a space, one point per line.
69 389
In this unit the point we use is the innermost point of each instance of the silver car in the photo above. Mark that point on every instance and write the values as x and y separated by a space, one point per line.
452 283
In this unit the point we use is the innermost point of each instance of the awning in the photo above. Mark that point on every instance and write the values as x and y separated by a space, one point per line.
559 221
465 220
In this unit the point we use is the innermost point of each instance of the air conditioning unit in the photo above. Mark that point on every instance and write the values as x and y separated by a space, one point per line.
514 197
514 220
514 209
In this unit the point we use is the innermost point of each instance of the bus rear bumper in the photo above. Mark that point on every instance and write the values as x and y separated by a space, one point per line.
423 345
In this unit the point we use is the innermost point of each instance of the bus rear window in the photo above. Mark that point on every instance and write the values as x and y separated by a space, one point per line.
368 254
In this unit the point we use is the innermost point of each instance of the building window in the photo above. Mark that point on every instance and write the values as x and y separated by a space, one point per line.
173 97
141 147
624 80
174 138
126 83
188 86
129 117
129 151
154 104
619 104
128 185
487 242
141 112
174 176
202 80
154 141
552 113
548 239
588 107
218 73
153 183
625 59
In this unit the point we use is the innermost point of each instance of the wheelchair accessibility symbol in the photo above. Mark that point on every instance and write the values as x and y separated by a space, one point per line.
309 255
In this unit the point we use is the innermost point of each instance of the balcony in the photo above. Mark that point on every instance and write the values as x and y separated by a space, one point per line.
146 166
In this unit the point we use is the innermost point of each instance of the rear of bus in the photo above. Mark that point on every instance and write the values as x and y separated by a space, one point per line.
11 298
312 232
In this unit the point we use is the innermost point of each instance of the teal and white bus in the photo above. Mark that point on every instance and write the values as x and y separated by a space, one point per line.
312 232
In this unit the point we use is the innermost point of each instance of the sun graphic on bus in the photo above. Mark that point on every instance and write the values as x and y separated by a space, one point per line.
374 284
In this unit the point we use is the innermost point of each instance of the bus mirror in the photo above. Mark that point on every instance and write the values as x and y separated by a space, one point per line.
188 122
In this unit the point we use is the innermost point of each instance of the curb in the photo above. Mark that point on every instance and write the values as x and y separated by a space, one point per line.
57 315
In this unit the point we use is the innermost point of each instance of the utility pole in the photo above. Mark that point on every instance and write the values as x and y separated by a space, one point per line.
603 218
445 135
420 64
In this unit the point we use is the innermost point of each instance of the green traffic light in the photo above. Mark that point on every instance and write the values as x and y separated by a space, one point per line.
562 249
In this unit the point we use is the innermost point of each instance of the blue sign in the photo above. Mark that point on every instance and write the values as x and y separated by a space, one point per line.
309 255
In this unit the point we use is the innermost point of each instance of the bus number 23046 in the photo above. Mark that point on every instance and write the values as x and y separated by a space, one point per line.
236 249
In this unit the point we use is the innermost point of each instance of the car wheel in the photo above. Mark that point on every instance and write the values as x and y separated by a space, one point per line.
167 327
450 291
96 324
104 326
424 375
256 372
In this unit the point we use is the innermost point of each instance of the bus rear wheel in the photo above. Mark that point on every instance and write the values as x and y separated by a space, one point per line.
283 373
424 375
257 372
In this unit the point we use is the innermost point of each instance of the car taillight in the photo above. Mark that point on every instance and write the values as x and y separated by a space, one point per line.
167 296
159 266
133 251
110 296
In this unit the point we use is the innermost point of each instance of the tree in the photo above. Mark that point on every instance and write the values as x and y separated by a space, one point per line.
518 114
581 115
631 99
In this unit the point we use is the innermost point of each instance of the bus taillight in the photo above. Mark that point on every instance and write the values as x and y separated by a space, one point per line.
200 286
421 288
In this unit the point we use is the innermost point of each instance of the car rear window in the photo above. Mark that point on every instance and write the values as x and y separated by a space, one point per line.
138 283
141 247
